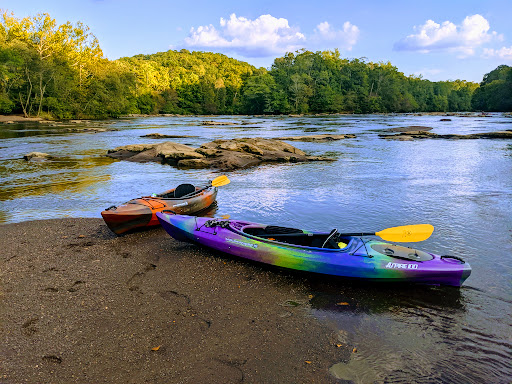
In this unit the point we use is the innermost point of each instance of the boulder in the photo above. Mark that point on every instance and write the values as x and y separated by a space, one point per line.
36 156
133 148
193 163
172 153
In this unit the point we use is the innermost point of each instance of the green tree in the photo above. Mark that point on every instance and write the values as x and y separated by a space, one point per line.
259 94
495 92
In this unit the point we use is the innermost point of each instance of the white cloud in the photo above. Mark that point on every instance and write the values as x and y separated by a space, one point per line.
267 36
345 38
463 38
428 72
503 53
261 37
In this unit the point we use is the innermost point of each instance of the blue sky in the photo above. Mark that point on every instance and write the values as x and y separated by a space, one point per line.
441 40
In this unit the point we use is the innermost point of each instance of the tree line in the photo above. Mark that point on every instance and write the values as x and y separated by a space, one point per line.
495 91
59 71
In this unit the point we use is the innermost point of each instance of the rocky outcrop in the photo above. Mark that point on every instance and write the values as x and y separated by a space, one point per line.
167 152
407 136
87 130
411 128
210 122
36 156
162 136
219 154
317 138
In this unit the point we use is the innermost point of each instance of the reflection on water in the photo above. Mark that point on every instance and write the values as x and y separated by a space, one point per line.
393 333
25 130
401 333
46 177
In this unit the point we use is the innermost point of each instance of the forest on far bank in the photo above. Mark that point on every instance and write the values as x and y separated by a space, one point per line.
59 71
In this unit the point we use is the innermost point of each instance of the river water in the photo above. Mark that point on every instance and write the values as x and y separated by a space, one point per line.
401 334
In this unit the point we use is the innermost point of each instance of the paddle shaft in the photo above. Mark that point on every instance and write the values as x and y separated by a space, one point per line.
289 234
355 234
358 234
312 234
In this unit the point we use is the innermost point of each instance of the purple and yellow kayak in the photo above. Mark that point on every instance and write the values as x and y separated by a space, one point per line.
326 253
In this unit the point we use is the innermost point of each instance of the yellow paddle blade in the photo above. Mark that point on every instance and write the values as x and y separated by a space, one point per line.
407 233
220 181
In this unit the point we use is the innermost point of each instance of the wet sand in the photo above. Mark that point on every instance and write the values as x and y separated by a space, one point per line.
80 305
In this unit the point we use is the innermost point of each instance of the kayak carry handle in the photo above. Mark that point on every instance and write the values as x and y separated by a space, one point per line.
454 257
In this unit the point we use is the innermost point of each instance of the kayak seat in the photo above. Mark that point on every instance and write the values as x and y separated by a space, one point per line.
317 241
330 241
183 190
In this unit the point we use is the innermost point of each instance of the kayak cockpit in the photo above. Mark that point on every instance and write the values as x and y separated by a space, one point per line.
179 192
298 237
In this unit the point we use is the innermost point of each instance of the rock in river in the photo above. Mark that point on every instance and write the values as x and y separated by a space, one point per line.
167 152
36 156
410 128
219 154
209 122
407 136
320 138
162 136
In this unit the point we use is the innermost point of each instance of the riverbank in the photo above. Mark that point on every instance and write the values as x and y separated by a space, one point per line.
80 305
6 119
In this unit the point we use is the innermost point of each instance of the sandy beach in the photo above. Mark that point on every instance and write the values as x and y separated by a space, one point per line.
80 305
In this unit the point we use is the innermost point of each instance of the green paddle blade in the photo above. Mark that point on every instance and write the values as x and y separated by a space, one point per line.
407 233
220 181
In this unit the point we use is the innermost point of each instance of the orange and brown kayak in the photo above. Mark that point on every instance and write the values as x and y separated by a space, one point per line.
185 199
